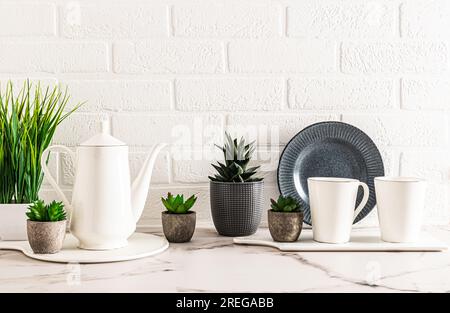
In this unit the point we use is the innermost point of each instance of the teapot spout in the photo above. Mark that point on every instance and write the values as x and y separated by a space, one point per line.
141 184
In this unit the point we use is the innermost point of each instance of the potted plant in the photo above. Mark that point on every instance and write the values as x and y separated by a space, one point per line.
28 121
236 195
46 226
285 219
178 222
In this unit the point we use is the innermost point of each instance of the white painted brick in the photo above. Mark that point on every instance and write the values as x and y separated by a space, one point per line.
391 161
25 57
271 191
404 129
358 94
77 128
394 57
168 56
160 174
181 130
67 169
49 195
229 94
281 56
423 94
53 167
191 170
341 19
430 165
229 20
273 129
18 83
115 21
27 19
436 210
425 19
120 95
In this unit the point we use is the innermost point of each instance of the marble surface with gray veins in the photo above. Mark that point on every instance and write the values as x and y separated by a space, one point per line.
210 263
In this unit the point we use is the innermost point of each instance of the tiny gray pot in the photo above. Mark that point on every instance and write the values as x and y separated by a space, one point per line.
46 237
285 226
236 208
178 227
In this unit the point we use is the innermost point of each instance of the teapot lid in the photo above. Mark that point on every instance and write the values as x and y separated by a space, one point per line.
103 139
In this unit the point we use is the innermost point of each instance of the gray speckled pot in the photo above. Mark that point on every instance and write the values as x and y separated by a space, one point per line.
236 208
285 226
46 237
178 227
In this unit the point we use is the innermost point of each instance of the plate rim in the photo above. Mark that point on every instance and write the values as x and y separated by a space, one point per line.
321 123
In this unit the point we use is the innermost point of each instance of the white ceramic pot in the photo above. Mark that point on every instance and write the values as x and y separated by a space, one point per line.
13 221
400 202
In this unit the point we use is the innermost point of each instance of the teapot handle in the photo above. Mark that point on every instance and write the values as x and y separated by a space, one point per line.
48 175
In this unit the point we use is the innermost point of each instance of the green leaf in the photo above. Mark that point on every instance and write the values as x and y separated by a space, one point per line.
190 202
52 212
178 206
166 204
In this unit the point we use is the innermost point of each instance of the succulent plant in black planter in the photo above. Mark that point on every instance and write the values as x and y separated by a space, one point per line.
46 226
178 222
285 219
236 193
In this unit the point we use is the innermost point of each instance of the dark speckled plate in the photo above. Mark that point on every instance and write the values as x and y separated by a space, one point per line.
329 149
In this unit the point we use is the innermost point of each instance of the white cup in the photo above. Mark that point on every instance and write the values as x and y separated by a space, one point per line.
332 202
400 202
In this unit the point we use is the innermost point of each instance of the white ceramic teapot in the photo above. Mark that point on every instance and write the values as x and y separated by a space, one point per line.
105 208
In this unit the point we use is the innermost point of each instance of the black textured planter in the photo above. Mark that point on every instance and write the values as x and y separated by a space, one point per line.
236 208
285 226
178 227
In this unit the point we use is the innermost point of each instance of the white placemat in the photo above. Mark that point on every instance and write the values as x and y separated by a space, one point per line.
140 245
361 240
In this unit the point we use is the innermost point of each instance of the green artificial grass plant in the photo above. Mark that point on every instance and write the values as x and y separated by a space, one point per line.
28 121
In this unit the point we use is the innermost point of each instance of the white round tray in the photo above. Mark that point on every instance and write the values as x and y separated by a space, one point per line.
140 245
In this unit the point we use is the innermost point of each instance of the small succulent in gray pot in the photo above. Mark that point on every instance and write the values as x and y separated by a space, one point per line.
285 219
178 222
46 226
236 194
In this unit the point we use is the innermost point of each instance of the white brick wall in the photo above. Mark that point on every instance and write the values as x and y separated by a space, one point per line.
183 71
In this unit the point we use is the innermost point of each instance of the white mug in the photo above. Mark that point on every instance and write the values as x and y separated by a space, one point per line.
332 202
400 202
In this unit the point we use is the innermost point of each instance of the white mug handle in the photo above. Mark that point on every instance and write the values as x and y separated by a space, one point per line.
364 199
49 176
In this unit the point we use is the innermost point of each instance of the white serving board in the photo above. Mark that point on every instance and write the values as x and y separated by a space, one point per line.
140 245
361 240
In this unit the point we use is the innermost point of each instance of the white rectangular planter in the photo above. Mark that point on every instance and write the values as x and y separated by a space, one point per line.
13 221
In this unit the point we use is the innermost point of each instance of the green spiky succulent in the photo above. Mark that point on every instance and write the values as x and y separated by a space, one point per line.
177 205
237 155
38 211
285 204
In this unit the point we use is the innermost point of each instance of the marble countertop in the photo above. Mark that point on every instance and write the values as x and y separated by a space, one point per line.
211 263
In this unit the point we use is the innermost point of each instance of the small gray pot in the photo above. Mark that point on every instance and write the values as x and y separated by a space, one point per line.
178 227
285 226
46 237
236 208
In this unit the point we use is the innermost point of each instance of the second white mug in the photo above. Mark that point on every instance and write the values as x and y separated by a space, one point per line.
332 202
400 202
